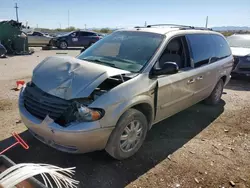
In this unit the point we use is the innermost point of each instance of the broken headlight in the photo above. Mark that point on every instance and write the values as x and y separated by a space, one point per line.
78 112
84 113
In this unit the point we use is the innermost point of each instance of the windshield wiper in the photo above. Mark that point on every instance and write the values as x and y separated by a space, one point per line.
100 62
121 60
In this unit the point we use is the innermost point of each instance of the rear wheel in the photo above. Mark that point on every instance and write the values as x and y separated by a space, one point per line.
215 96
128 136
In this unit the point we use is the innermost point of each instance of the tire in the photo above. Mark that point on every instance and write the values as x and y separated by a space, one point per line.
120 138
63 45
216 94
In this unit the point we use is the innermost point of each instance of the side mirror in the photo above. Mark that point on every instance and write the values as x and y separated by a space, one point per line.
167 68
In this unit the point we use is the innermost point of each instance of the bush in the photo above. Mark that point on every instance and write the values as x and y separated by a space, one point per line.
71 28
227 33
105 30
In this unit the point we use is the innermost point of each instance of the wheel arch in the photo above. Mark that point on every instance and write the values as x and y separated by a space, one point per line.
141 103
147 110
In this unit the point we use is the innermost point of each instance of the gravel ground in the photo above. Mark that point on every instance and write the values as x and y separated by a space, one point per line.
203 146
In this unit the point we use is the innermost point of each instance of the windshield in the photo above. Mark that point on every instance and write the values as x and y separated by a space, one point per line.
127 50
239 41
65 34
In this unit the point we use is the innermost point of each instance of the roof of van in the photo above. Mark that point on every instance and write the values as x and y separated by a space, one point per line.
164 30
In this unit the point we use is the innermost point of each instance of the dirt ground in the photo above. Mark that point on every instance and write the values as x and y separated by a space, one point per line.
203 146
219 156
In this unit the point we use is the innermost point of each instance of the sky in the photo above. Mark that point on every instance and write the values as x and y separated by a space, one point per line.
126 13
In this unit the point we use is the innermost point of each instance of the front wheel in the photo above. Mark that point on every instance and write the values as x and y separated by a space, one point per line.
63 45
216 94
128 136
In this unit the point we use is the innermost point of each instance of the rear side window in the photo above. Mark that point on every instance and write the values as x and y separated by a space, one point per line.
37 34
201 48
222 49
87 34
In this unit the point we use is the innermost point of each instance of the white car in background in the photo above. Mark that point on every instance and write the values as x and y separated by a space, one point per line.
240 47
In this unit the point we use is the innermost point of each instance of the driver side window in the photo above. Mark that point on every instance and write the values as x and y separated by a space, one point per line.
75 34
176 51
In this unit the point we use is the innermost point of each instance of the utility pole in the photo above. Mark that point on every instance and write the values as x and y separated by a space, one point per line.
206 21
16 7
68 18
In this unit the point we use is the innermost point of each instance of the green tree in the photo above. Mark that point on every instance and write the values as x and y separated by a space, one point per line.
71 28
105 30
227 33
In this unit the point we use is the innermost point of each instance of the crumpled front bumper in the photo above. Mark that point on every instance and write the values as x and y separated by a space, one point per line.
90 137
53 42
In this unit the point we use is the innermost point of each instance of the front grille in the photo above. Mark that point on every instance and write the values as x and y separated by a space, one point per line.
244 69
41 104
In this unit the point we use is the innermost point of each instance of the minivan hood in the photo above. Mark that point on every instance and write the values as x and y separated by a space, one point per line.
238 51
69 78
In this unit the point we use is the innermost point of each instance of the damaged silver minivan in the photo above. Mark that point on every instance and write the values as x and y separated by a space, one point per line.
110 95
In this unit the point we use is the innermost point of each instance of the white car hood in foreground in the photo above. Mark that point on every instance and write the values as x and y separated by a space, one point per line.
238 51
69 78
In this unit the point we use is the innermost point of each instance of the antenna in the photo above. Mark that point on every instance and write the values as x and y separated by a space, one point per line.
206 21
68 18
16 7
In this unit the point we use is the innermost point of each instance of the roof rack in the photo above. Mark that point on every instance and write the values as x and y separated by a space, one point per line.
176 26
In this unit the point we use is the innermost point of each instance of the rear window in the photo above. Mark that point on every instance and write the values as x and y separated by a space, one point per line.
201 48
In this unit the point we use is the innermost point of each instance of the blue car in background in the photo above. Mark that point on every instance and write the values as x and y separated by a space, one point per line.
76 39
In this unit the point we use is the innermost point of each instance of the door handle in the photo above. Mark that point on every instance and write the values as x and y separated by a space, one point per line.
200 78
191 81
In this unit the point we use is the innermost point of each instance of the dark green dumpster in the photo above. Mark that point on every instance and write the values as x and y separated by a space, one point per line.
13 39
